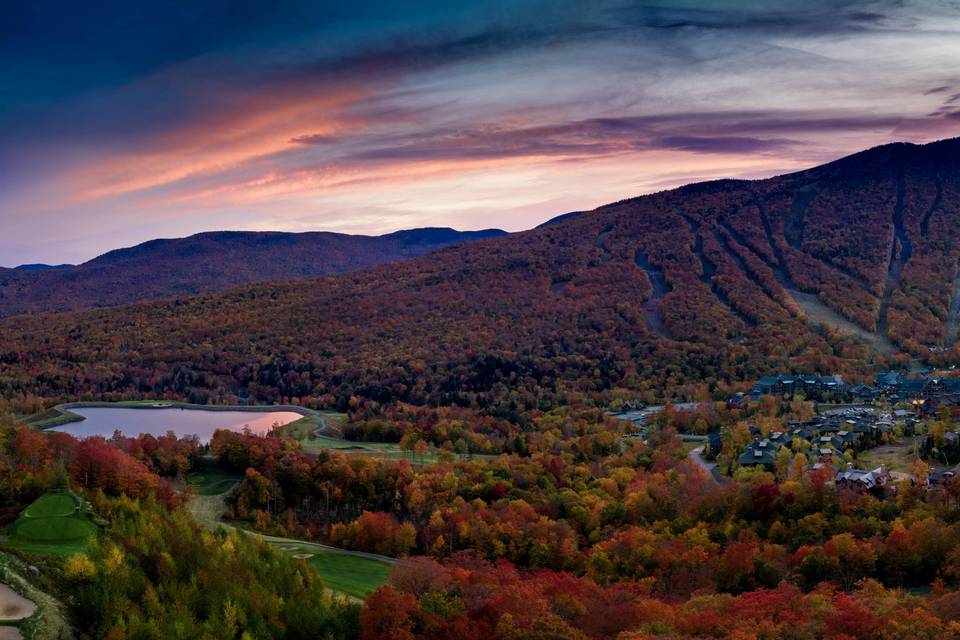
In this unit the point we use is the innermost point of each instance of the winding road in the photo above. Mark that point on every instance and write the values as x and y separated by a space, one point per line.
208 511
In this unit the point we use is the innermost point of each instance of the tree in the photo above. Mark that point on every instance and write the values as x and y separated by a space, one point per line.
389 615
79 568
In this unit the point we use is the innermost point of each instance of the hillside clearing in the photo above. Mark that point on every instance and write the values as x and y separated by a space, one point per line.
352 575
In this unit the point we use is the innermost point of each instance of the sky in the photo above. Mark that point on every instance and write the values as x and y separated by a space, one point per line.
122 122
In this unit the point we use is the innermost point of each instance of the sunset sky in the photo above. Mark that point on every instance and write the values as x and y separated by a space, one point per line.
123 122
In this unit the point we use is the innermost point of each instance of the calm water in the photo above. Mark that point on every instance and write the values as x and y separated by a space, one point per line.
103 421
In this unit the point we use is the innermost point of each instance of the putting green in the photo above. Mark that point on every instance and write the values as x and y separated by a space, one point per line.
52 526
52 505
53 529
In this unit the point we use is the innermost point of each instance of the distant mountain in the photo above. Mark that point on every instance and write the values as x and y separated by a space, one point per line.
41 267
560 218
691 292
209 262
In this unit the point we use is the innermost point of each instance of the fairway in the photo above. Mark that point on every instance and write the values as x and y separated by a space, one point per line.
352 575
213 483
52 526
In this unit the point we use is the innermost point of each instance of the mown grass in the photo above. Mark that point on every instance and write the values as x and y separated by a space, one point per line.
352 575
52 505
53 418
318 443
52 526
212 483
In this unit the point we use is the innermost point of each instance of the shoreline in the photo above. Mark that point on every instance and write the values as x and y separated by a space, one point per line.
62 413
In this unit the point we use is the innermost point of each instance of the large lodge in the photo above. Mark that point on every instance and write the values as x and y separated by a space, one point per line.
830 439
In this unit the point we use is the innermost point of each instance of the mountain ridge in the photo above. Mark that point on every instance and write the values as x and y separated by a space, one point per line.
167 267
686 293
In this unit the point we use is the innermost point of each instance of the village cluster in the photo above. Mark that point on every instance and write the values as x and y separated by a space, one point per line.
829 439
920 388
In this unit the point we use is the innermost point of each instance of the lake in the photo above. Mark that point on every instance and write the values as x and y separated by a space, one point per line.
103 421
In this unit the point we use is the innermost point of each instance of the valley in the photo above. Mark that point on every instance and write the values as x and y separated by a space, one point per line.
456 419
498 292
519 320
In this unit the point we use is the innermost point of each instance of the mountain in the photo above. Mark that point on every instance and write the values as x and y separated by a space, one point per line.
209 262
686 293
560 218
41 267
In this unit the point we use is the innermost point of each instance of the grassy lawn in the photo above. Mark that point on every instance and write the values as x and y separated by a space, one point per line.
53 418
51 526
895 457
303 428
52 505
318 443
347 574
212 483
690 445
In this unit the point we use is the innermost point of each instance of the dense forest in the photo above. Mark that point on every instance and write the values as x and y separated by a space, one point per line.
648 514
535 516
210 262
151 572
589 541
687 293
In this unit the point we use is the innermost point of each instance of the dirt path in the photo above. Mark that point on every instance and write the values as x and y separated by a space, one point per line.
950 335
900 251
600 243
710 467
208 510
651 308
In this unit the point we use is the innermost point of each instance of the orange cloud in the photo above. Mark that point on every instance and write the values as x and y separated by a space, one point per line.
260 125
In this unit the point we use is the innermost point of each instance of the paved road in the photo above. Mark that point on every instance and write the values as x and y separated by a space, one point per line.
281 543
710 467
207 510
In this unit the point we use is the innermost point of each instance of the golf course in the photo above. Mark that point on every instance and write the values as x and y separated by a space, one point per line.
352 575
53 525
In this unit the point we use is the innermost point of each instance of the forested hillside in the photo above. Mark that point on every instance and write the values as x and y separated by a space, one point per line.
684 293
209 262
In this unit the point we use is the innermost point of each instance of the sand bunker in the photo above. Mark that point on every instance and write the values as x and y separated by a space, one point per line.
13 606
302 556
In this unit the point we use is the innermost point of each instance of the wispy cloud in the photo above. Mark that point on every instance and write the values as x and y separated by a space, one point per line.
296 115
